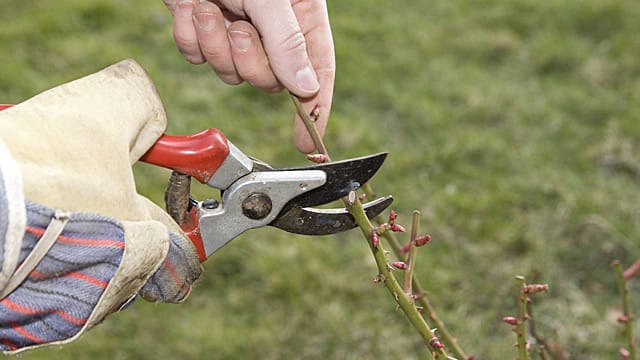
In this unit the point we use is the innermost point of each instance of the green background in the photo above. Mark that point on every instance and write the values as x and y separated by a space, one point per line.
512 125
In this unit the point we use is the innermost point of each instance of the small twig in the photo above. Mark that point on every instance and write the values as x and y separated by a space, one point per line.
554 351
310 124
627 317
411 256
521 330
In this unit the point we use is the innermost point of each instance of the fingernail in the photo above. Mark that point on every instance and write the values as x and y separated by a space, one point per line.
204 21
306 80
240 40
185 9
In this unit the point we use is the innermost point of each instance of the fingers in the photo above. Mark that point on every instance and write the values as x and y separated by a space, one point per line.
250 60
285 45
213 42
184 32
232 49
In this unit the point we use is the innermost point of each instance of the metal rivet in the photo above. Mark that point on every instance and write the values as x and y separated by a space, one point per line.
256 206
210 204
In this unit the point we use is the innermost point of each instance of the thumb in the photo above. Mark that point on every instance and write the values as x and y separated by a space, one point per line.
285 46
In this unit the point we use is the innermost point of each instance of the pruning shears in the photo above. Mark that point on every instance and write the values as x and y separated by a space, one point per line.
253 194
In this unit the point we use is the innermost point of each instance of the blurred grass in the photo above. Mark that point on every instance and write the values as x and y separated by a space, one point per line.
512 125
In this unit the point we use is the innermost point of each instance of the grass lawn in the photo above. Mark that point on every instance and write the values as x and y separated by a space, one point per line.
513 126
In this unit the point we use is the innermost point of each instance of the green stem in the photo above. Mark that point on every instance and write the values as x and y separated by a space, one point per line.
523 353
445 335
357 211
624 295
388 279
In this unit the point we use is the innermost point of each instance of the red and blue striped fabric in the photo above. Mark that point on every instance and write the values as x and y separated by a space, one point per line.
58 297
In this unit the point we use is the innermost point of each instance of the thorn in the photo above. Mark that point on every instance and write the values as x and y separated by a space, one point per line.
379 278
400 265
351 198
315 113
510 320
397 228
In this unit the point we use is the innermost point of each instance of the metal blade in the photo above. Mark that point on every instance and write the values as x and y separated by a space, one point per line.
310 221
342 177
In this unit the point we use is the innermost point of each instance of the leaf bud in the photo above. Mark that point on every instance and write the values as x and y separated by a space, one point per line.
423 240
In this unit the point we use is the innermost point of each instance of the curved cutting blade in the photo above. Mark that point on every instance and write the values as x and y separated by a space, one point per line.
310 221
342 177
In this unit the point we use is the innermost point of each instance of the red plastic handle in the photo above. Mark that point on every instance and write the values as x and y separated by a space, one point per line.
191 227
198 155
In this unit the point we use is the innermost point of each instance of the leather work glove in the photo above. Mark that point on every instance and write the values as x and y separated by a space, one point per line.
80 242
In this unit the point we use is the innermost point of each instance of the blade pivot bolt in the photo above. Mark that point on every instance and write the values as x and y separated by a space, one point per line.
256 206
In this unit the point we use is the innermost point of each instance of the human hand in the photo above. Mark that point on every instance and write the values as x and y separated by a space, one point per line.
269 44
75 145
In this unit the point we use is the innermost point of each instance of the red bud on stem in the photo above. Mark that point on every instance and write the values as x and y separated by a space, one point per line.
535 288
375 238
317 158
400 265
510 320
423 240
